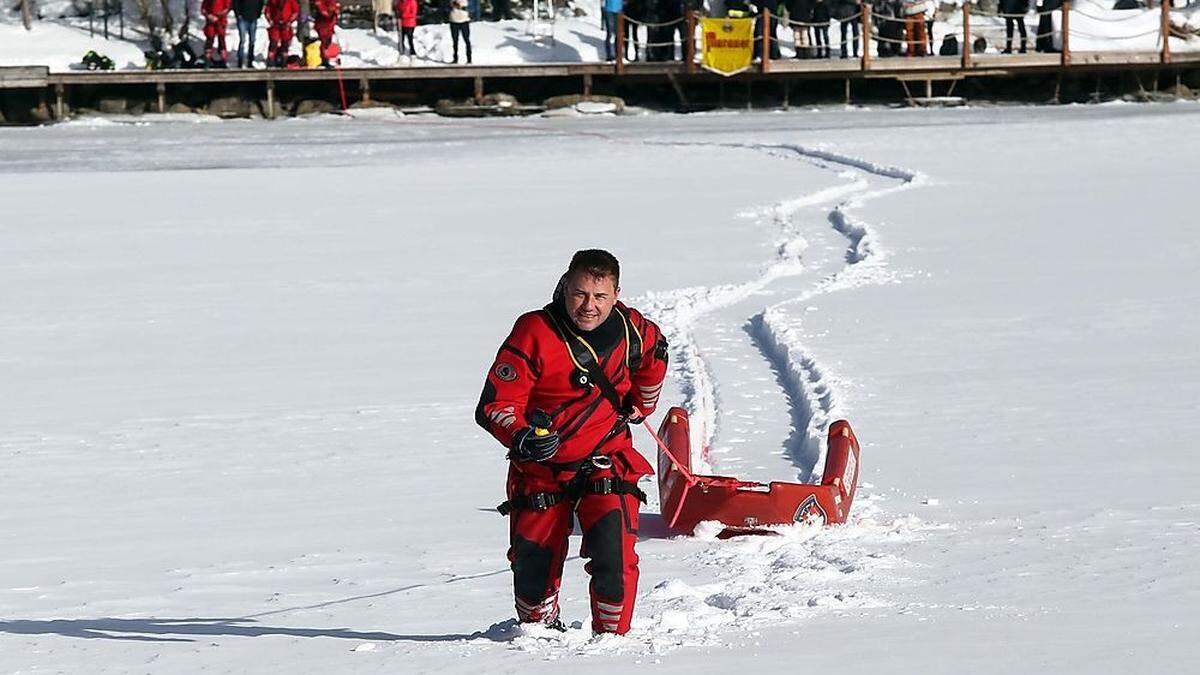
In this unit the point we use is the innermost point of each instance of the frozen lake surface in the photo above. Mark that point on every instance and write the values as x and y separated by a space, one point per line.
239 363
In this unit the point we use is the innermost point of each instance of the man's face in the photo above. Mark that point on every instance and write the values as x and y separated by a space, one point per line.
590 299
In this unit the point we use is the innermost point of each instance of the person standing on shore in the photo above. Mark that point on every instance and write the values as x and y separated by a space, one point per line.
248 13
216 23
406 13
460 27
281 20
325 16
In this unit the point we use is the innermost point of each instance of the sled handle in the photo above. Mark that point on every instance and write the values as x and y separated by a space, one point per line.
687 475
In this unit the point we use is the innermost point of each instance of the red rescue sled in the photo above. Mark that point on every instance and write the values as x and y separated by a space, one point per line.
744 507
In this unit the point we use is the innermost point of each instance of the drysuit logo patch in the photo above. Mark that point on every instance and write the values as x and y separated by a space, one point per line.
810 512
505 372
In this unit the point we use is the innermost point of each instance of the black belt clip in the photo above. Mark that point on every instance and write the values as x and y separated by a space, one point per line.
604 486
542 500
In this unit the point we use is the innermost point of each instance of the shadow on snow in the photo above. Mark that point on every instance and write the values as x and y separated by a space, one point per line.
160 630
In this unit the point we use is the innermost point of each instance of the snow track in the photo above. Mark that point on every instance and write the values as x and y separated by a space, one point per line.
808 387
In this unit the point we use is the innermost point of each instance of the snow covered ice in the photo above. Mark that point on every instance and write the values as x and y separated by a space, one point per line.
239 363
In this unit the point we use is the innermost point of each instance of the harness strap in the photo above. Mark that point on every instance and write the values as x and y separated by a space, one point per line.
609 485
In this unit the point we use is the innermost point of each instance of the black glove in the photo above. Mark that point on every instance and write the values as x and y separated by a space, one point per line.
527 446
630 412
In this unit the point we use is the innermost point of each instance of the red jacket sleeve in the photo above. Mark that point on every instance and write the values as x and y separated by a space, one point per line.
649 376
501 409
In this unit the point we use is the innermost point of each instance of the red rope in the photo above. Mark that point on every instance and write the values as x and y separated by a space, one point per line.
687 475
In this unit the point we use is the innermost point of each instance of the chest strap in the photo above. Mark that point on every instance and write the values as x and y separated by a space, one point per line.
609 485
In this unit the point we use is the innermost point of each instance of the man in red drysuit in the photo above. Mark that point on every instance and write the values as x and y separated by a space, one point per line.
281 16
325 14
216 20
564 387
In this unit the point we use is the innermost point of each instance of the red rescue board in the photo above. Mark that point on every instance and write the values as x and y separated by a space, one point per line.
686 499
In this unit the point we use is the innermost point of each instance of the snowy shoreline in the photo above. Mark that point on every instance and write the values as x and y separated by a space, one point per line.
60 43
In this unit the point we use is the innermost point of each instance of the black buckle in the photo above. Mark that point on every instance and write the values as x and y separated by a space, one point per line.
604 486
541 500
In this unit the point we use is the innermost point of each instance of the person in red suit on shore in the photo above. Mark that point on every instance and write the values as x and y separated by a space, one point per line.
281 17
325 15
565 386
407 11
216 20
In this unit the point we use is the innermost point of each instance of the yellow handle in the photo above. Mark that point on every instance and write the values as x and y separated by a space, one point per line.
538 431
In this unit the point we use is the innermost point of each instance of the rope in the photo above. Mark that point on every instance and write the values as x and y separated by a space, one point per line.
792 43
893 19
848 19
650 24
1018 15
1135 15
1002 34
880 38
1075 33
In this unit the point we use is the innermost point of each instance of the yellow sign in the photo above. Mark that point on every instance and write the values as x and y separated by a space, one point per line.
728 46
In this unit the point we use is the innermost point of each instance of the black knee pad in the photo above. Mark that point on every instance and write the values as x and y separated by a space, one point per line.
531 570
602 543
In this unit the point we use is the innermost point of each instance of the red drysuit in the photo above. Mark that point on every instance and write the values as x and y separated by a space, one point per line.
281 16
325 14
537 369
407 10
216 20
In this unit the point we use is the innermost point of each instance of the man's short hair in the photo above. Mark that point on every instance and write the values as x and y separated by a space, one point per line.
597 263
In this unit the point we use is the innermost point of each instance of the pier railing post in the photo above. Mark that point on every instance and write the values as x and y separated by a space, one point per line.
1165 29
866 31
620 42
1066 33
966 41
689 47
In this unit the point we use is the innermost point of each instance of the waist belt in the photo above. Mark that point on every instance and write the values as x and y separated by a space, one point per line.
609 485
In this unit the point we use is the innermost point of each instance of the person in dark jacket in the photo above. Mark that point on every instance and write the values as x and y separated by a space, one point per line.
634 12
820 18
1045 29
665 11
890 25
800 13
1014 12
772 30
247 12
654 34
849 16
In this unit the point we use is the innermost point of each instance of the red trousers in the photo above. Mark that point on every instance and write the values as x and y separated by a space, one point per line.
914 35
324 28
215 30
280 38
538 546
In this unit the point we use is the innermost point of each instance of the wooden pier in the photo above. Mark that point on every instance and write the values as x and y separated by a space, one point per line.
60 92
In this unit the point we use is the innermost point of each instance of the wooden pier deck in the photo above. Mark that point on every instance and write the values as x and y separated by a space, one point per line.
582 78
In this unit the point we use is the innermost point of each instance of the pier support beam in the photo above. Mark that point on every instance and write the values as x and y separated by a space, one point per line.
364 86
160 88
270 99
60 101
478 90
